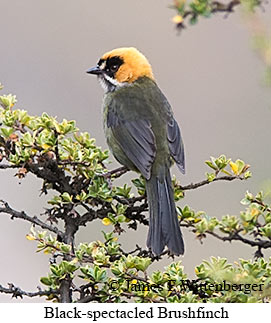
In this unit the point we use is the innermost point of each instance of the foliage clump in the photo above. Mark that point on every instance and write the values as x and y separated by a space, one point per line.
75 169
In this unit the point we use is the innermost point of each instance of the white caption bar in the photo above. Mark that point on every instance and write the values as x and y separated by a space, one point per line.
47 312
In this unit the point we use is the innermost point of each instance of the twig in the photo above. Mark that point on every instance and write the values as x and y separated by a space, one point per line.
5 166
263 244
117 172
32 219
50 171
265 207
206 181
73 163
215 7
18 292
88 299
225 7
236 236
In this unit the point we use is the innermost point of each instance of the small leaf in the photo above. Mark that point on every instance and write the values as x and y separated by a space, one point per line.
106 221
30 237
67 197
234 167
210 164
247 174
193 20
178 19
46 281
210 176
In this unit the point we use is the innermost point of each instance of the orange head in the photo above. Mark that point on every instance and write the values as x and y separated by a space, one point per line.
121 66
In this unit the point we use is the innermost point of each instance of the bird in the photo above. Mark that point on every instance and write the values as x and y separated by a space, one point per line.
143 136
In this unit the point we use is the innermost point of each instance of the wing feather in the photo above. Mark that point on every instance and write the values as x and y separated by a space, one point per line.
136 140
175 143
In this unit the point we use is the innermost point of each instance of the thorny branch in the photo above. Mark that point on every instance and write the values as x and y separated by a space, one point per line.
133 211
262 244
5 166
235 236
32 219
18 292
117 172
214 7
217 6
206 182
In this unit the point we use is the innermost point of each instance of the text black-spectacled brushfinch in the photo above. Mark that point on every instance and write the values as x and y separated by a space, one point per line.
143 135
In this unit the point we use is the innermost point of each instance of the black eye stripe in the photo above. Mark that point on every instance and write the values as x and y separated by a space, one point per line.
100 62
113 64
114 61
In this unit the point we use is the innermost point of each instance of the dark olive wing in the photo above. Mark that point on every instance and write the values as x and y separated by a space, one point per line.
175 143
174 137
136 140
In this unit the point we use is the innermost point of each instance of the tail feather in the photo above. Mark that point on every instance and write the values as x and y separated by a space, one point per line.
164 229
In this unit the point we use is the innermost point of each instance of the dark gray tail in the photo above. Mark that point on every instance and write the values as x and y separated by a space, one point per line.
164 229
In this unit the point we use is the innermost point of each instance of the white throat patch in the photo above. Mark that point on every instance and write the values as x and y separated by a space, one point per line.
112 81
109 84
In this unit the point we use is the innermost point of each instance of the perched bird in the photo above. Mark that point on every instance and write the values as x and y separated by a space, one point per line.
143 135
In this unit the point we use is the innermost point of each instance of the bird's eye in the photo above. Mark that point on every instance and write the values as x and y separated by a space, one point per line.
114 68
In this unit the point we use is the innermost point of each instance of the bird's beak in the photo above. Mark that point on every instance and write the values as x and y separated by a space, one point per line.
95 70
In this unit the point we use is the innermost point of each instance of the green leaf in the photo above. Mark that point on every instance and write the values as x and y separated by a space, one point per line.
121 218
193 20
7 101
27 139
46 281
210 164
66 197
7 131
210 176
142 263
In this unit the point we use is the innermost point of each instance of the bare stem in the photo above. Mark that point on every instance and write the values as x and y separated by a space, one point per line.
18 292
206 182
32 219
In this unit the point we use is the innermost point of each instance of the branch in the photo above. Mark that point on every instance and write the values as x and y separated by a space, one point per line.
236 236
206 181
5 166
134 212
49 171
65 286
212 7
265 207
18 292
225 7
32 219
117 172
